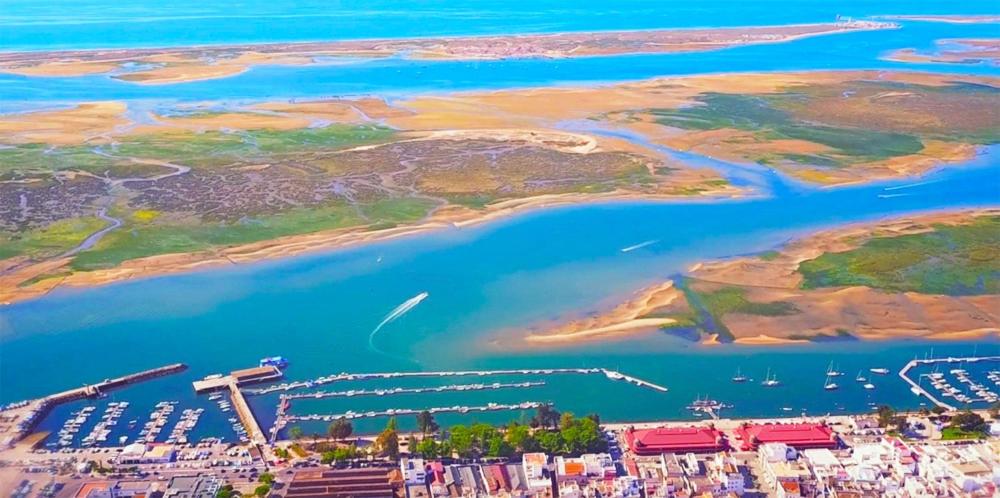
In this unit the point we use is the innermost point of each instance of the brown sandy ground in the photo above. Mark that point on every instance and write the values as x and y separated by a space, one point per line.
165 66
823 313
471 155
954 51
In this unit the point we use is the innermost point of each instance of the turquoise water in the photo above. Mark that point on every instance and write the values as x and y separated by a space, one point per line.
487 282
76 24
484 283
399 77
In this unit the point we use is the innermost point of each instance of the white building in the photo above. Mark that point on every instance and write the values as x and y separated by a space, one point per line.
535 470
413 470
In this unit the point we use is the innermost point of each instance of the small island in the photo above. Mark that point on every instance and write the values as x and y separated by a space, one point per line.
926 276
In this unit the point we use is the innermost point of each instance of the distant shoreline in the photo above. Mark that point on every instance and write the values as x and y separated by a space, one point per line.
168 65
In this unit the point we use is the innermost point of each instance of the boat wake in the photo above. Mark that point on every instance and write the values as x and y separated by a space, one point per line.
397 312
911 185
639 245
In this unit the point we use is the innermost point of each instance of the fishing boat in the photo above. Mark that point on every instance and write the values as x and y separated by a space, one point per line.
739 377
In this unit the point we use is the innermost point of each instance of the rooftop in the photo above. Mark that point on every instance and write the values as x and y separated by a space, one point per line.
675 439
798 436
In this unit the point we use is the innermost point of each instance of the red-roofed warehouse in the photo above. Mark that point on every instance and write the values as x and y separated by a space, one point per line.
674 440
798 436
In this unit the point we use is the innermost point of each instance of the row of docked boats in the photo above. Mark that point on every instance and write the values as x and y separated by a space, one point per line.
349 415
157 421
189 419
102 430
72 425
947 390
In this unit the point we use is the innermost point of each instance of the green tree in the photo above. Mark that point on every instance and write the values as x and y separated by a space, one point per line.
550 442
262 490
938 410
387 441
340 429
994 410
497 446
461 440
546 416
885 415
296 432
226 491
266 478
429 448
519 436
426 423
969 422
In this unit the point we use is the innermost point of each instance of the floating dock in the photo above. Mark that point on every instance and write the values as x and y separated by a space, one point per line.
410 390
611 374
527 405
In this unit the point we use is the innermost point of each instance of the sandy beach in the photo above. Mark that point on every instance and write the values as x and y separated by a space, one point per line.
868 313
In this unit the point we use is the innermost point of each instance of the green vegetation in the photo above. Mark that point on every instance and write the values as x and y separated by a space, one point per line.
549 431
764 115
965 425
387 442
147 240
216 148
340 429
733 300
339 454
51 240
227 491
951 259
955 433
708 308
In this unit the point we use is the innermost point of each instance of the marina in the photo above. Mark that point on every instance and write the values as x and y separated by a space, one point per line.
944 388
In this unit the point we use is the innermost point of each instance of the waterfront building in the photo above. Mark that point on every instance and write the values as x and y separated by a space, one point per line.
799 436
675 440
140 454
192 487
